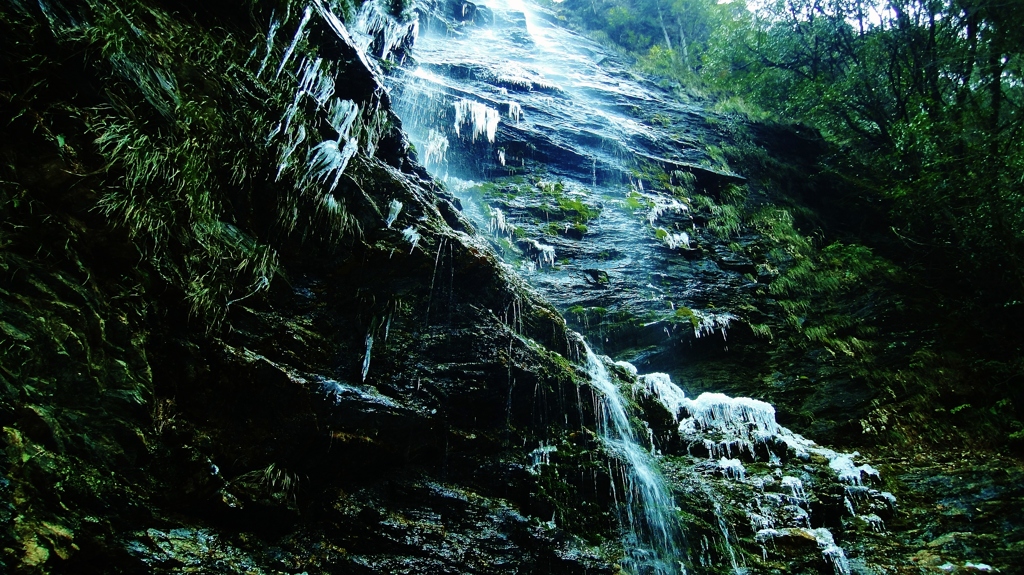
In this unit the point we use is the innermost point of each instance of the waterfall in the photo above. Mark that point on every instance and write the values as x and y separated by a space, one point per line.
647 513
525 121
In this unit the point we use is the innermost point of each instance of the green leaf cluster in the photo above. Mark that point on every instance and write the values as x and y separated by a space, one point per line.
208 158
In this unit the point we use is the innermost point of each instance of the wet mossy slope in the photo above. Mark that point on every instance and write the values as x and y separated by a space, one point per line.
242 332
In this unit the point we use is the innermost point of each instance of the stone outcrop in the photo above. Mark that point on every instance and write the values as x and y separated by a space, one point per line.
368 405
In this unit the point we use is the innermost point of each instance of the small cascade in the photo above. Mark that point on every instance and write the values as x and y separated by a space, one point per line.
648 515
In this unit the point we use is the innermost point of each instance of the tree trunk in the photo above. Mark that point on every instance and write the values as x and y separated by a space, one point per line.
682 43
995 86
661 20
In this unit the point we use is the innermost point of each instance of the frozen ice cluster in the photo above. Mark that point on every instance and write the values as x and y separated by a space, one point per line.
733 433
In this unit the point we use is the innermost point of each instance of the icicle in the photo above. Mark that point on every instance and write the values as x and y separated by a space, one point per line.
274 25
668 393
373 24
830 551
732 468
295 41
369 348
393 210
545 253
677 240
515 112
874 522
849 473
660 207
436 149
289 149
796 488
316 81
483 120
708 323
411 236
500 225
329 158
540 457
733 414
343 115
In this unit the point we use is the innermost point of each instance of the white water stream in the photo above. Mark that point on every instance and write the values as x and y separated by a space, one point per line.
648 514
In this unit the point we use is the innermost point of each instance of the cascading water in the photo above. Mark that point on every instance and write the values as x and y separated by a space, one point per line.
513 100
648 514
514 95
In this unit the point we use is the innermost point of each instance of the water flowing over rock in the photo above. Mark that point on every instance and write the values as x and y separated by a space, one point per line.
648 513
573 105
246 331
590 170
577 153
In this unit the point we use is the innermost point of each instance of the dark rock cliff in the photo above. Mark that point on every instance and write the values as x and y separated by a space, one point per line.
215 362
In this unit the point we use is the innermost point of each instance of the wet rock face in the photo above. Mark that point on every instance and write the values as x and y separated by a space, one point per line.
601 189
369 406
616 202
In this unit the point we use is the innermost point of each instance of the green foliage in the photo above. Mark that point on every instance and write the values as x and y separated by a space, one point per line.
668 37
825 294
725 218
926 101
686 314
635 201
191 138
762 331
717 157
555 201
171 191
659 61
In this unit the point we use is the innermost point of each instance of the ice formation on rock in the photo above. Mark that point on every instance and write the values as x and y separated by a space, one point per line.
660 206
545 253
394 208
377 29
842 464
708 323
670 395
680 240
515 112
732 468
499 224
730 431
540 457
411 236
482 119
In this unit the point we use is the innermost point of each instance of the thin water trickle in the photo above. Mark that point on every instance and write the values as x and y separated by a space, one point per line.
647 511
